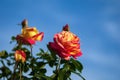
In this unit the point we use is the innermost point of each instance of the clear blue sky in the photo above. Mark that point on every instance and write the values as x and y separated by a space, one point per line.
96 22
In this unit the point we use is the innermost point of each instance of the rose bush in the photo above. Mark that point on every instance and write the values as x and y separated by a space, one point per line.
61 56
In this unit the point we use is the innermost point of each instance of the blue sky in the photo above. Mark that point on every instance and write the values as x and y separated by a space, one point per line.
96 22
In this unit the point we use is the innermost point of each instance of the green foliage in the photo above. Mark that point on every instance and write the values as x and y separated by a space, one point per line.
35 68
3 54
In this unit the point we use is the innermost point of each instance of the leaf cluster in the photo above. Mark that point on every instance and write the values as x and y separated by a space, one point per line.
36 68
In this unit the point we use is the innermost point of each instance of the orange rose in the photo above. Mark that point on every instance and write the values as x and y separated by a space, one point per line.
29 34
66 44
20 56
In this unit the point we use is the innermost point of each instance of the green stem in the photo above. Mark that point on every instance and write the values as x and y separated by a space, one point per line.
58 65
20 72
81 76
15 67
31 50
32 58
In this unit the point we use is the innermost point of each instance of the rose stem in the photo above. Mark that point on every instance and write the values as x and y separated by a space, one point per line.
58 65
20 72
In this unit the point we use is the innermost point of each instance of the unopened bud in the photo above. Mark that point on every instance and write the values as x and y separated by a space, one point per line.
24 23
66 28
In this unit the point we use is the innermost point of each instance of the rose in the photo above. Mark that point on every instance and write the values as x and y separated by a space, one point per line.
66 44
32 33
29 34
20 55
21 40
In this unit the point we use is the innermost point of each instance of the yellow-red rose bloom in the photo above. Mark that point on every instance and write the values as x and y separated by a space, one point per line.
32 33
29 35
20 55
66 44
